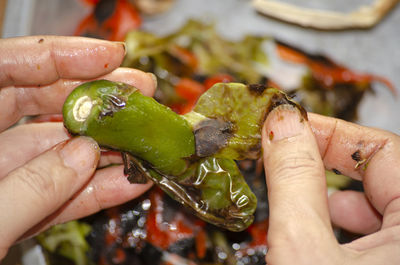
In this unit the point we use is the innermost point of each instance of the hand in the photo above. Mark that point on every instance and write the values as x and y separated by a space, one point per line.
300 230
45 178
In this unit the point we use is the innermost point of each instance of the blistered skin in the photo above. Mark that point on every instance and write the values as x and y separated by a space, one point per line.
215 190
191 157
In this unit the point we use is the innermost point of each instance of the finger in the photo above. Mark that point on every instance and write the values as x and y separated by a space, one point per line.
296 184
346 146
42 60
34 191
386 253
366 154
376 240
353 212
110 158
109 187
16 102
24 142
145 82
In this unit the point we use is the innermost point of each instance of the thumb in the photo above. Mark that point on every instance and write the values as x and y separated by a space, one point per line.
37 189
296 186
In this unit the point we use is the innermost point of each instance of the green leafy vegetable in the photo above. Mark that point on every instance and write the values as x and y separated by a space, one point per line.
68 240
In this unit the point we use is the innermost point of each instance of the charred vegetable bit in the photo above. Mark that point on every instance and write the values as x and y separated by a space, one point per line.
190 157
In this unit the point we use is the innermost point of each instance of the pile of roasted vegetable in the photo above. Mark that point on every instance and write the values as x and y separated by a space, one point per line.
202 150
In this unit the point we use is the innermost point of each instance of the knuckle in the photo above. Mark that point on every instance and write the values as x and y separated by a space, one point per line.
98 203
391 216
38 182
296 164
45 179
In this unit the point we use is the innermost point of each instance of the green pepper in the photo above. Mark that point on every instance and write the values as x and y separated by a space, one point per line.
119 117
191 157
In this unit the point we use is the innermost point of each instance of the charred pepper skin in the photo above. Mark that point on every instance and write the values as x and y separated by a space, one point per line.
215 190
119 117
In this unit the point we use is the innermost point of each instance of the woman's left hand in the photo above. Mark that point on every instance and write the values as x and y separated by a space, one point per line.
45 177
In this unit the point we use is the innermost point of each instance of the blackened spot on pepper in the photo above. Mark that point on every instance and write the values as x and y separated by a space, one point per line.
133 170
211 135
337 172
280 99
257 89
356 156
112 104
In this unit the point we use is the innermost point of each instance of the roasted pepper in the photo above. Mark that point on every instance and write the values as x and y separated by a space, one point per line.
119 117
191 156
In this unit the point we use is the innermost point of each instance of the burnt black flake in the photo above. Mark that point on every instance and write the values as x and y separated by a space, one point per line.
281 99
112 105
257 89
356 156
337 172
133 170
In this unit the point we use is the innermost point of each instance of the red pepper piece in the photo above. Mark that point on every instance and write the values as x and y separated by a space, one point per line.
327 72
218 78
185 56
189 90
91 2
159 233
111 20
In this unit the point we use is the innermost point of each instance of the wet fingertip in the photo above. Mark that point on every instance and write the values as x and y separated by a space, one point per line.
284 121
123 44
154 78
80 153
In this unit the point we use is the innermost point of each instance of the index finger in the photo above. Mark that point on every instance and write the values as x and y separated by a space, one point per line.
42 60
363 153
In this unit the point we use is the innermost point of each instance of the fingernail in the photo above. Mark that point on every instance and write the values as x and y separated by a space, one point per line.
81 154
154 77
123 46
283 122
